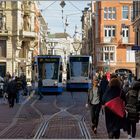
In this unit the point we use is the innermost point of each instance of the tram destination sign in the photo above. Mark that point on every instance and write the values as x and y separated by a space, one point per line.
48 60
79 59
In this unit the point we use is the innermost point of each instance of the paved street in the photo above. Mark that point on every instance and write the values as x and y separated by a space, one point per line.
55 116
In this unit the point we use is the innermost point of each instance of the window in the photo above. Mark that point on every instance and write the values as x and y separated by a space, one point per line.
125 31
107 53
1 16
110 13
22 52
2 69
2 4
109 31
130 55
125 12
2 48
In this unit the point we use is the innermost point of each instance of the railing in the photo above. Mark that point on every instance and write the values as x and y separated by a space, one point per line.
115 40
106 40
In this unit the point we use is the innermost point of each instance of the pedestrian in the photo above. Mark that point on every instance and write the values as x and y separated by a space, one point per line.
133 108
113 121
11 91
24 85
95 106
102 86
130 75
39 86
19 88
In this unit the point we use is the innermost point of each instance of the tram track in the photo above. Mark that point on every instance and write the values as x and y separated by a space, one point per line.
46 121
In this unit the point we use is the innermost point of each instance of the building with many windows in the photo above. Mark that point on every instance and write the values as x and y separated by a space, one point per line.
18 37
113 35
136 25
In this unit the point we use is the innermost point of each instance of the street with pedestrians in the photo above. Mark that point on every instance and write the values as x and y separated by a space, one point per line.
55 116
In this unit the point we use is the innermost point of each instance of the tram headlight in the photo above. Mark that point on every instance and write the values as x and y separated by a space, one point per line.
55 82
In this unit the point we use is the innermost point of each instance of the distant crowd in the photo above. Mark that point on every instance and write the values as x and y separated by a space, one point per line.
14 87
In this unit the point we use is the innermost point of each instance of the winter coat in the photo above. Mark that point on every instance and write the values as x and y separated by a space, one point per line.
132 102
11 88
113 122
102 88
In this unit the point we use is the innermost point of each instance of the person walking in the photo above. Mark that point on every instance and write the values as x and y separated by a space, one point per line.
113 121
19 88
11 91
95 106
133 108
38 89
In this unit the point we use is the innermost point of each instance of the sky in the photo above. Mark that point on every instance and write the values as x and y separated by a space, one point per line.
52 12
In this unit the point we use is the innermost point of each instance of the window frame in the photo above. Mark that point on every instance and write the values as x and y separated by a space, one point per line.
125 10
106 51
110 13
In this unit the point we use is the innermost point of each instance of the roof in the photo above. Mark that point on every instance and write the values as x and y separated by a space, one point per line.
58 35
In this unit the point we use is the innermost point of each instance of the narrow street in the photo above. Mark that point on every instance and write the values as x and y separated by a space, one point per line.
55 116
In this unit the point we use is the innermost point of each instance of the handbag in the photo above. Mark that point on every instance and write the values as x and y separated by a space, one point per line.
117 106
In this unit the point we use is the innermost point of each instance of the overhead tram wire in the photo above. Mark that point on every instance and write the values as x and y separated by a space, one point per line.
48 6
75 6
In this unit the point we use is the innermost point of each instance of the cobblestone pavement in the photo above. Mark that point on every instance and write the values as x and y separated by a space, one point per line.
55 116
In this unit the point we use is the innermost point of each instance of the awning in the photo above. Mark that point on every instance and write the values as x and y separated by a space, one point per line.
136 47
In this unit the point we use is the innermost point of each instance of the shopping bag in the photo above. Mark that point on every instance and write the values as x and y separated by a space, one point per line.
117 106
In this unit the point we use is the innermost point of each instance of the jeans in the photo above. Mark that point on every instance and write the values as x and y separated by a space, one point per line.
131 128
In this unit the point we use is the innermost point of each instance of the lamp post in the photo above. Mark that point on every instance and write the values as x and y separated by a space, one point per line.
76 45
52 47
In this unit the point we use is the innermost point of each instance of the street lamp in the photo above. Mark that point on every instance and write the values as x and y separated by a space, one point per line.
76 45
52 47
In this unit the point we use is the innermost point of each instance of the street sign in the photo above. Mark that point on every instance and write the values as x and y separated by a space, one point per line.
136 48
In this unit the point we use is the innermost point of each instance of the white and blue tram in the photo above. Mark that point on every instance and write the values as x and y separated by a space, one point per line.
79 72
48 73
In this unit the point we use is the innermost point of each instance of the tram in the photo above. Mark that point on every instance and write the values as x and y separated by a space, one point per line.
79 69
48 73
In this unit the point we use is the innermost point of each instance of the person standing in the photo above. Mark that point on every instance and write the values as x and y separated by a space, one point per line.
113 121
102 86
133 108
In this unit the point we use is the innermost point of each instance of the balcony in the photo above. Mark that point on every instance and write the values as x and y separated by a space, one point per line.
5 33
113 40
106 40
126 40
27 34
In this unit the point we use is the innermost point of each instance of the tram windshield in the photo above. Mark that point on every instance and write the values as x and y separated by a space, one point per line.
49 70
79 68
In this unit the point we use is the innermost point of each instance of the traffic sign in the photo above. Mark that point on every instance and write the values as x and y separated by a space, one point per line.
136 48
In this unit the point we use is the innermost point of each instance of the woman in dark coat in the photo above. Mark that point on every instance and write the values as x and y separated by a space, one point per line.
133 108
113 121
